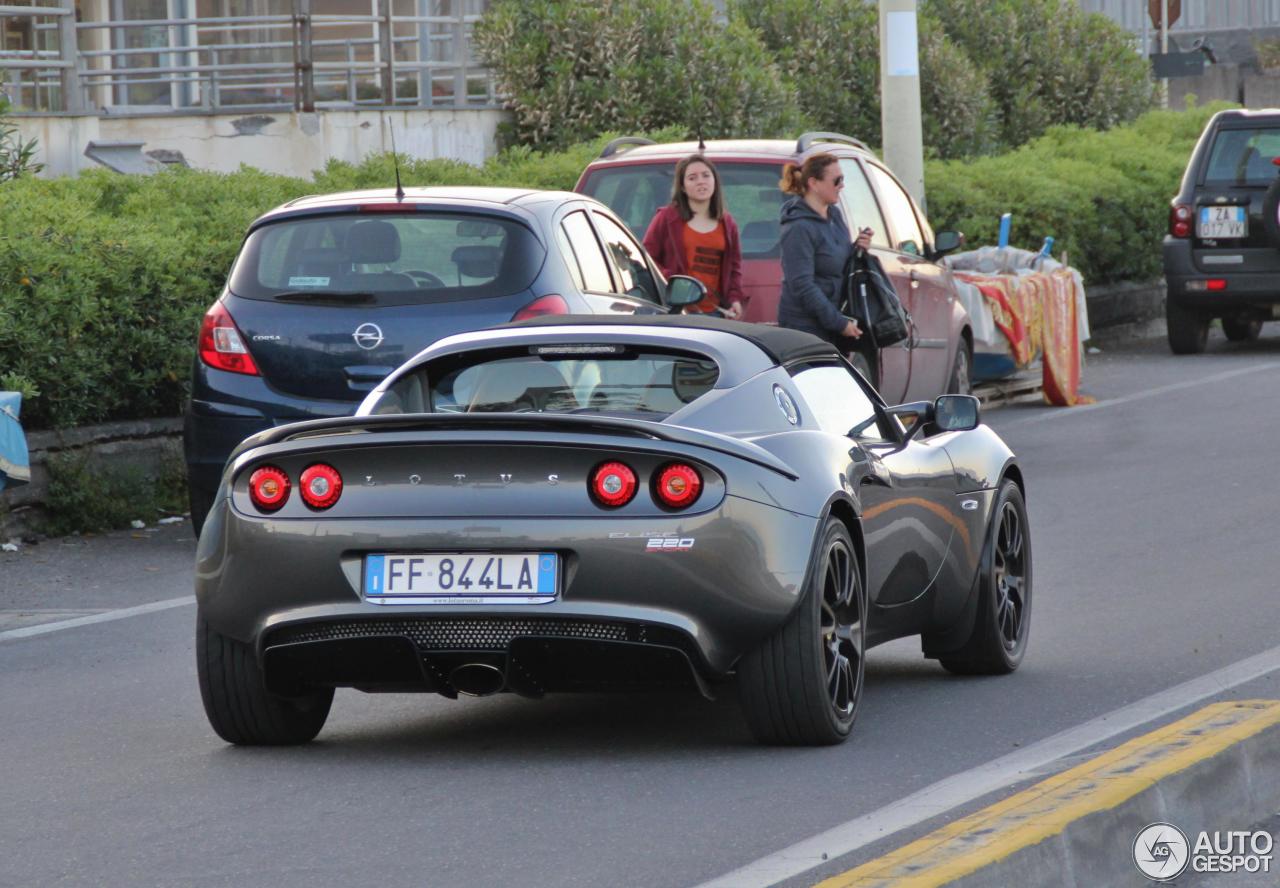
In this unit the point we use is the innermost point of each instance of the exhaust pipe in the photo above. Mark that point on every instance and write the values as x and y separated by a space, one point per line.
477 679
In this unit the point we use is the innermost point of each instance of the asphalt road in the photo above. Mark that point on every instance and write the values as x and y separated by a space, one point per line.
1153 517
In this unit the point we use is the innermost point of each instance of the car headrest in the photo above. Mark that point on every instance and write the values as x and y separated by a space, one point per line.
477 260
372 241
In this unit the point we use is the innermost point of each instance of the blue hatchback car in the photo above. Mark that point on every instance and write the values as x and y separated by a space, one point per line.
330 293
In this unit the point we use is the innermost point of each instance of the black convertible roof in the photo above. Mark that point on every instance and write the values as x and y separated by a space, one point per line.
779 343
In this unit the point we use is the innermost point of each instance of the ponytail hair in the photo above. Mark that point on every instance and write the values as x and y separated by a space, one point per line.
795 177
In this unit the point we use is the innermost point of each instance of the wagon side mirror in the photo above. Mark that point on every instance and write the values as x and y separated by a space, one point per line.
945 242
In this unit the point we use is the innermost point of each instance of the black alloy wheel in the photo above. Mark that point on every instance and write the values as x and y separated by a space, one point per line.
1002 624
1010 575
843 630
802 686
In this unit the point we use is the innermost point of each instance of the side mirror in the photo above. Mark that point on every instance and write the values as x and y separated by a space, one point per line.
946 241
683 291
955 413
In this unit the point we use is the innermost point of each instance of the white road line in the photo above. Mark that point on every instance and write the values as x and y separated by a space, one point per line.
997 774
106 617
1059 412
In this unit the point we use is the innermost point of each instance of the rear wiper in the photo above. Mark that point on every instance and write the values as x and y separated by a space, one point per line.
324 296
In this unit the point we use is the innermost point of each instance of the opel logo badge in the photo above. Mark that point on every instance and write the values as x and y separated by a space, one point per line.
368 336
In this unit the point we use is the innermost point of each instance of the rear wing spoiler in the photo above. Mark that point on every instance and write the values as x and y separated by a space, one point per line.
517 422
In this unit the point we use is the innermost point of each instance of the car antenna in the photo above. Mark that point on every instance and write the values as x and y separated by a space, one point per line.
702 146
395 161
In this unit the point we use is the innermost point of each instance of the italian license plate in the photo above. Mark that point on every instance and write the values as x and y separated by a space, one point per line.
461 578
1216 222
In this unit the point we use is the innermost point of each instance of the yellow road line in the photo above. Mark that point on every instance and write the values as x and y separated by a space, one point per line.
1045 810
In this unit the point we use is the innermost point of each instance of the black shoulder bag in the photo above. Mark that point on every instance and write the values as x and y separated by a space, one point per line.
870 298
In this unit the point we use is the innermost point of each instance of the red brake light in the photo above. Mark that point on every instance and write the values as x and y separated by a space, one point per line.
1180 220
386 208
613 484
221 345
547 305
1216 284
677 486
268 488
321 486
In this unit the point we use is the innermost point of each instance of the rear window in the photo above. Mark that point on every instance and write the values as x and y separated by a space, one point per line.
1243 156
751 194
391 258
605 379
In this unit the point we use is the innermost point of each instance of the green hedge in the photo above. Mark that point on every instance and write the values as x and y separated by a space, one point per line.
1103 196
104 278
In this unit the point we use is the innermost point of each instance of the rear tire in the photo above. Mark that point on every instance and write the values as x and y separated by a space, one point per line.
1188 329
803 685
1003 622
961 380
238 704
1238 329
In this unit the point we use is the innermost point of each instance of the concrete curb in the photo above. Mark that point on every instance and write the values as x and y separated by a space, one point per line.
1232 790
1216 770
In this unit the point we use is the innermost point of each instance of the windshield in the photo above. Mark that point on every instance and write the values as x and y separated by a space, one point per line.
609 379
388 258
1243 156
751 195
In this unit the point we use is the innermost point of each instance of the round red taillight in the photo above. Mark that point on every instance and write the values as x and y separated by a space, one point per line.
321 486
677 486
268 488
613 484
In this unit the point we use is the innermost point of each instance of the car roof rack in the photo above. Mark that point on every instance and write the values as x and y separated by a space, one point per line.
622 142
808 139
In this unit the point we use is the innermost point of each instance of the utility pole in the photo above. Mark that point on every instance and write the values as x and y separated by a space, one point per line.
1164 50
902 133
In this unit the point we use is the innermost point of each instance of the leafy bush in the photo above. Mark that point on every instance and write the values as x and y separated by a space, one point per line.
573 70
1102 81
830 53
86 497
17 155
1104 196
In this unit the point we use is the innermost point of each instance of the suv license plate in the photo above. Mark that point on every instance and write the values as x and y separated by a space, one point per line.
461 578
1217 222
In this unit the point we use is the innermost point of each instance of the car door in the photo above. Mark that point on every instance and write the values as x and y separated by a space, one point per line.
638 282
595 275
862 210
931 294
907 491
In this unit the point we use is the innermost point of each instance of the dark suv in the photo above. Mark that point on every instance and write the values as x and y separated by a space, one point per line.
1222 252
329 294
633 177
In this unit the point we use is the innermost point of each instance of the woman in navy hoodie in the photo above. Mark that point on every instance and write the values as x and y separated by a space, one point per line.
695 235
815 247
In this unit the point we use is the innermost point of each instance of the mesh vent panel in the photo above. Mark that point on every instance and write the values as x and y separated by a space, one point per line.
484 633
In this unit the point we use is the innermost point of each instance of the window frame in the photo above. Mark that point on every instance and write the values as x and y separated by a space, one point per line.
926 234
659 282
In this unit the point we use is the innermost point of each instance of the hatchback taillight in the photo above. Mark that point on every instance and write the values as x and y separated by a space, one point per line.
221 345
547 305
321 486
612 484
1180 220
677 485
268 488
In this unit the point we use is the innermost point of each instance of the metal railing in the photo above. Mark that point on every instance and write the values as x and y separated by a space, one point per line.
299 59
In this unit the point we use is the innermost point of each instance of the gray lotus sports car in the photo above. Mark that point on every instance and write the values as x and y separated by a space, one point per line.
610 503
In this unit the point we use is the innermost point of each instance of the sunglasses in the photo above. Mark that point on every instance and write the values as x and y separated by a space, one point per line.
839 181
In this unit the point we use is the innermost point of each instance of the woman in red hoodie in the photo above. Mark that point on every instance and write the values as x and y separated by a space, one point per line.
695 235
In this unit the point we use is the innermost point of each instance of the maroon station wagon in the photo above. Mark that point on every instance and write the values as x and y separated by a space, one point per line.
633 177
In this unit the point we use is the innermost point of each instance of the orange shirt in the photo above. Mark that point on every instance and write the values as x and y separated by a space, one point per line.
704 256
